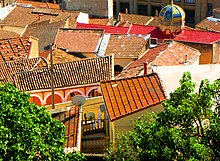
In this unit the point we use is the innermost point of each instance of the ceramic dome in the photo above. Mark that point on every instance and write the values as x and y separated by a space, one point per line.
172 19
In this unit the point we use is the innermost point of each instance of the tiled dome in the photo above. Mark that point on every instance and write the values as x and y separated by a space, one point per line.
172 14
172 19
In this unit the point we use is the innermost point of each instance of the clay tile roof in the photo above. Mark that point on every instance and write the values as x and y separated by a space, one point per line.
8 34
165 55
79 40
81 72
45 31
135 19
39 4
126 45
209 25
70 119
59 56
126 96
28 17
9 68
14 49
100 21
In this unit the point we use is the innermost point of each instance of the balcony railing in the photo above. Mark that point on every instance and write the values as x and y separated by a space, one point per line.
95 126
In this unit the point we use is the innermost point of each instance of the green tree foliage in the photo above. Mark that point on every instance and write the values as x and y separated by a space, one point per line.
187 129
27 131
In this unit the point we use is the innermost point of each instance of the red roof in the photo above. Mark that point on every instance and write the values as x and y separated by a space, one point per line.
185 36
127 96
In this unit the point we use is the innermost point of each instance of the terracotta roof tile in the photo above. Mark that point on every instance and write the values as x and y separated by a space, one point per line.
164 55
39 4
79 40
45 31
100 21
59 56
126 96
134 19
70 119
14 49
81 72
12 67
126 45
28 17
8 34
209 25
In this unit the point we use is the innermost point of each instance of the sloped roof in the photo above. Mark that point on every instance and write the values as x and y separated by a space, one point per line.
70 119
9 68
59 56
185 36
8 34
79 40
81 72
164 55
38 4
100 21
126 45
209 25
22 16
14 49
45 31
126 96
134 19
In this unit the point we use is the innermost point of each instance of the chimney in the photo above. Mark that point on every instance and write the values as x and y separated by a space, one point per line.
186 58
126 10
145 68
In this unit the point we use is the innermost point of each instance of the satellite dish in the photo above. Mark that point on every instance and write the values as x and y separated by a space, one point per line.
78 100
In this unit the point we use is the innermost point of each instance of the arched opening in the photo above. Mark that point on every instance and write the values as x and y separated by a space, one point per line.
72 94
57 99
94 93
117 69
35 100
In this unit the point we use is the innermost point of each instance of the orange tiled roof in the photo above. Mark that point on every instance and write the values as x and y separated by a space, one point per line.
9 68
208 25
45 31
59 56
100 21
70 119
28 17
79 40
39 4
126 45
8 34
126 96
81 72
14 49
164 55
135 19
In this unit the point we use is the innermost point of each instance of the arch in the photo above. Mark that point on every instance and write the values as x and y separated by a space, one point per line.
57 96
36 99
75 91
93 92
117 69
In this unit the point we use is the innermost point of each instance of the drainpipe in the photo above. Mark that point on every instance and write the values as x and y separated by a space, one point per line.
79 133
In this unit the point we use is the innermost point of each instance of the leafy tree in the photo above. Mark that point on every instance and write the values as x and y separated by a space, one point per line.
27 131
187 129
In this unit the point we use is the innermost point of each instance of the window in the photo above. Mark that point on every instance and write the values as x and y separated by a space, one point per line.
124 7
155 10
176 0
209 8
190 16
189 1
142 9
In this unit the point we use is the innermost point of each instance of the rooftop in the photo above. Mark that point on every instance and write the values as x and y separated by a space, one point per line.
127 96
79 40
67 74
186 35
209 25
8 34
14 49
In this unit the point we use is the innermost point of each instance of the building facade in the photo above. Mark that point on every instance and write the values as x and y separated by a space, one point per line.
196 10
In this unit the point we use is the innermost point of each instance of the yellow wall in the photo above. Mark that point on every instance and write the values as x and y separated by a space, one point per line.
34 51
126 123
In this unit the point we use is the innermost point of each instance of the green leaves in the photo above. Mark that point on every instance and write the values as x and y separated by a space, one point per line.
27 131
187 129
